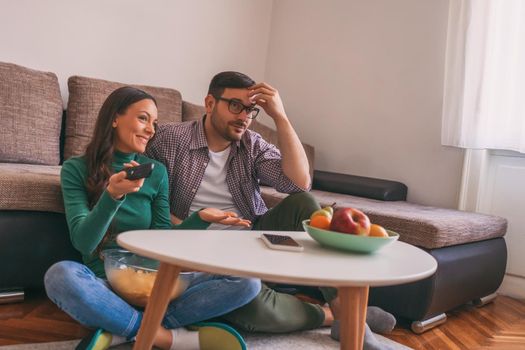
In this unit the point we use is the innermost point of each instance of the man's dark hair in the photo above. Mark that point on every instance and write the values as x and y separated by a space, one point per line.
232 80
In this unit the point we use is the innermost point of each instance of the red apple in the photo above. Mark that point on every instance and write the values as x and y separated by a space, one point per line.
350 220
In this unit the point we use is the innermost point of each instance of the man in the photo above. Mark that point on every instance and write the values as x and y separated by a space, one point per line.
217 162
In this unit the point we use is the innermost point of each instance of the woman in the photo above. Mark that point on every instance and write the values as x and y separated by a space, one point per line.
100 203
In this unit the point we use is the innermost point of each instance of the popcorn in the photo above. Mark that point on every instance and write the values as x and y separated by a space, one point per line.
135 285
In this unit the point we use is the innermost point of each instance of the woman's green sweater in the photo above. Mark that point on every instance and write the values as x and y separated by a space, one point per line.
145 209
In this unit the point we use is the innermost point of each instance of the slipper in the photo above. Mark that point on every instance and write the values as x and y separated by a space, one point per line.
98 340
218 336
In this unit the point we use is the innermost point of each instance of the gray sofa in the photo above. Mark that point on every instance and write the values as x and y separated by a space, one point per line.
469 247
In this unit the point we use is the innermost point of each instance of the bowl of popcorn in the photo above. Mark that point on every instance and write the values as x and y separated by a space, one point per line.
132 276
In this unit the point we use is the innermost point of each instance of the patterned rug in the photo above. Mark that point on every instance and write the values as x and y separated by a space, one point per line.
316 339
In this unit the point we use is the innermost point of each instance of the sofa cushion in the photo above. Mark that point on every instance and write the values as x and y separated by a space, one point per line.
31 115
86 96
191 111
422 226
30 187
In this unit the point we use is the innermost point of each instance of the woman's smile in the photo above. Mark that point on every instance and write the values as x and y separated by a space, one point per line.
135 127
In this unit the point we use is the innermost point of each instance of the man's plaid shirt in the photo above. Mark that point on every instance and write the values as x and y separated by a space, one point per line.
184 150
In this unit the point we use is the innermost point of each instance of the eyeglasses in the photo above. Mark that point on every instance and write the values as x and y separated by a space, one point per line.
236 107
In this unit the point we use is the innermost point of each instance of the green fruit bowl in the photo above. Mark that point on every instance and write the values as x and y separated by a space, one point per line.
349 242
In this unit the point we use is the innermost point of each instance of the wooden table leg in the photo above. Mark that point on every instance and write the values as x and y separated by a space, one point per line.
354 301
157 305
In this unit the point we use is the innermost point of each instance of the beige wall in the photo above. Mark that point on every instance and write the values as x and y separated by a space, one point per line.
362 81
173 43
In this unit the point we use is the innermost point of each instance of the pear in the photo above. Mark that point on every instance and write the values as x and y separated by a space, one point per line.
330 208
326 211
321 212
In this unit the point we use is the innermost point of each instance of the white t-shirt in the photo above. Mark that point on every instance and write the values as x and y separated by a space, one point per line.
213 191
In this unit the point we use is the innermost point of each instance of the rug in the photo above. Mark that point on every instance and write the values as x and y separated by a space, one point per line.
315 339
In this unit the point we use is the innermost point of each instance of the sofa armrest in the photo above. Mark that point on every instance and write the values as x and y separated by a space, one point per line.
361 186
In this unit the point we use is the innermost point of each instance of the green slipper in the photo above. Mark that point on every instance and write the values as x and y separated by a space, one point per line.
98 340
218 336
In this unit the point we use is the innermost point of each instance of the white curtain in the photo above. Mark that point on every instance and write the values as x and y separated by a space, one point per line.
484 93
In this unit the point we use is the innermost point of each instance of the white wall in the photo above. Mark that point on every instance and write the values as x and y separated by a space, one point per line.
362 81
179 44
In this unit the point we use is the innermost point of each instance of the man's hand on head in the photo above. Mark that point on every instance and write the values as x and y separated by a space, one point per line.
269 99
294 161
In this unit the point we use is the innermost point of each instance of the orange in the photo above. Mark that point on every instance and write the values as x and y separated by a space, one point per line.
320 221
377 231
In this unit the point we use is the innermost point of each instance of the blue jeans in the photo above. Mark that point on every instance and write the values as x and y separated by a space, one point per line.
75 289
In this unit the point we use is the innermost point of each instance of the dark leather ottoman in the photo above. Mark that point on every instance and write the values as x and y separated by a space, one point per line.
469 247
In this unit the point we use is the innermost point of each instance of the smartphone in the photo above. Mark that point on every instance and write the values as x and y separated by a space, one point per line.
139 172
281 242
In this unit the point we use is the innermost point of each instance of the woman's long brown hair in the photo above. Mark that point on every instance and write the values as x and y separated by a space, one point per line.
99 152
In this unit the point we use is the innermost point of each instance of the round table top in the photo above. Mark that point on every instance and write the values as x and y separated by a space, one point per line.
243 253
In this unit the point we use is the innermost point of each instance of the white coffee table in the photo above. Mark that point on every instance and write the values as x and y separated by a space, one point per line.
242 253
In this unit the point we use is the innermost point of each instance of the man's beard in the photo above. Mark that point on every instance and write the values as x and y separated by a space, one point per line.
225 131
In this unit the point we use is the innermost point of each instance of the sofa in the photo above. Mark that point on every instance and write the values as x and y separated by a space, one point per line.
469 247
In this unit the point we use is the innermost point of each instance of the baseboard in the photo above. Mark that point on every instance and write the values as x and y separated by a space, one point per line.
513 286
11 295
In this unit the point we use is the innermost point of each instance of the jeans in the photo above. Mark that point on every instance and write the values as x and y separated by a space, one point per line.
75 289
